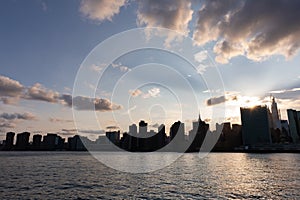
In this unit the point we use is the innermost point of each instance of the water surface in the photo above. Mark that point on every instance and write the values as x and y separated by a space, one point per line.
77 175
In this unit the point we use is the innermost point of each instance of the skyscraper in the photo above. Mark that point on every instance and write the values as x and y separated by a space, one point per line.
276 123
9 141
22 141
197 134
177 136
37 141
255 125
143 127
294 123
133 130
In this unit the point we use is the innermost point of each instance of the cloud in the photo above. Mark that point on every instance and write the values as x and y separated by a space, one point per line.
6 124
170 14
96 132
39 92
154 92
201 56
293 93
10 120
215 100
285 91
67 132
156 125
58 120
97 68
11 91
230 96
10 87
121 67
10 100
24 116
135 93
112 127
255 29
100 10
87 103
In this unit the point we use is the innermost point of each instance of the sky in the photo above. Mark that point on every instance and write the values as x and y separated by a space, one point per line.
53 52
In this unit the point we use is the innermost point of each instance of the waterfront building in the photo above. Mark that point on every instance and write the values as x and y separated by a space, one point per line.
9 141
294 124
275 115
37 141
255 125
22 142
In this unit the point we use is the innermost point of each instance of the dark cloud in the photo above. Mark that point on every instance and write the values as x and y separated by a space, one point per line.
256 29
58 120
215 100
86 103
13 116
292 93
156 125
11 91
96 132
8 120
112 127
171 14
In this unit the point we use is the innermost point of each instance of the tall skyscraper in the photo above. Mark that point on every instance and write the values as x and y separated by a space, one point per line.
177 137
133 130
9 141
255 125
276 123
197 134
113 136
294 123
143 127
37 141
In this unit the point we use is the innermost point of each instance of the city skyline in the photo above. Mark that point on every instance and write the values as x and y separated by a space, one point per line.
259 121
45 42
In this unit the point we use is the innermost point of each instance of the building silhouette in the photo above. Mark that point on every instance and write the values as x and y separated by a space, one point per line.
294 124
9 141
113 136
52 141
276 123
37 142
76 143
255 125
177 137
22 142
198 134
143 126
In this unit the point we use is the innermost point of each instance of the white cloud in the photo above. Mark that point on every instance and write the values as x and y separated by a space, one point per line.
201 56
100 10
97 68
154 92
135 93
121 67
